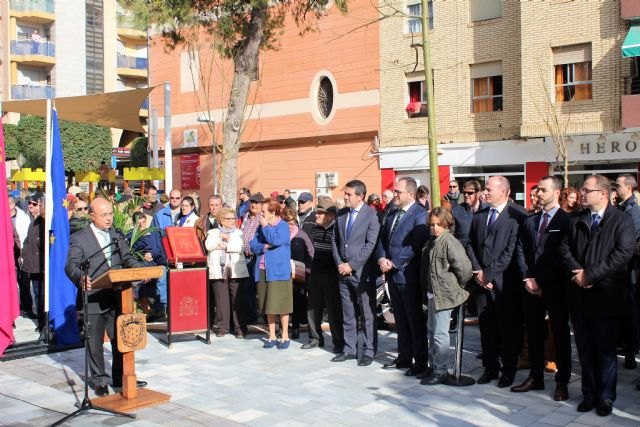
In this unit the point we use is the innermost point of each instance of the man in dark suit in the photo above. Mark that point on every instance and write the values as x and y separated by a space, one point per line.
353 244
398 254
596 251
540 264
102 304
492 242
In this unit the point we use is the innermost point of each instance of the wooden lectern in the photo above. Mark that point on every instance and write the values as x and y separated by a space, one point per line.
131 330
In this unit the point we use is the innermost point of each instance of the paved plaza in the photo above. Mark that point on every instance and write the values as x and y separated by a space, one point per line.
235 382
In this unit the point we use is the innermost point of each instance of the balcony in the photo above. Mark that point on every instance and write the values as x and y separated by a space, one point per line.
127 28
630 9
130 66
32 92
42 11
29 52
631 103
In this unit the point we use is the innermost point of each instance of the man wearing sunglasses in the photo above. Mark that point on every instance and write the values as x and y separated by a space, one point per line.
80 218
167 216
463 213
454 196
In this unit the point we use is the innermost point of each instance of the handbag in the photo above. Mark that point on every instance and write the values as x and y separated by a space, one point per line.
298 271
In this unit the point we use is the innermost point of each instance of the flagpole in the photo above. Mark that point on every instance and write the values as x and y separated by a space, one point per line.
48 211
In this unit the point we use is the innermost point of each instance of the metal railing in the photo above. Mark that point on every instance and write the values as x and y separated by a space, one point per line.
38 5
127 21
125 61
32 92
30 47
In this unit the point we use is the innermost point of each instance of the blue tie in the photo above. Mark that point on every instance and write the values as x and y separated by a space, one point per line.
492 218
595 221
352 217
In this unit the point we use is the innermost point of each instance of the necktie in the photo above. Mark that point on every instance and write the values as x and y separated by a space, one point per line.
399 216
595 221
352 217
543 226
492 218
106 240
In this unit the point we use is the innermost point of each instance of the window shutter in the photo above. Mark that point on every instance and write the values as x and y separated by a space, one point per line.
487 69
572 54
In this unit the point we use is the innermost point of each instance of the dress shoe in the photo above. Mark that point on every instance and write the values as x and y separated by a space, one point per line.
528 385
414 370
586 405
220 334
487 376
630 362
141 384
239 335
295 333
562 393
551 368
343 357
100 390
310 345
270 343
365 361
425 374
505 381
434 379
604 408
396 364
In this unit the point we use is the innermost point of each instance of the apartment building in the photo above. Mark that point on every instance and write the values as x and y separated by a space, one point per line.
312 118
62 48
503 70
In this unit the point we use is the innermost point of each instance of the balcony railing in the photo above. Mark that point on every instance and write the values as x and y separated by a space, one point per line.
37 5
145 104
125 61
29 47
32 92
126 21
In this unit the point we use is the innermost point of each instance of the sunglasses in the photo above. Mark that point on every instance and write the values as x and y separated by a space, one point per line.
86 208
33 203
468 193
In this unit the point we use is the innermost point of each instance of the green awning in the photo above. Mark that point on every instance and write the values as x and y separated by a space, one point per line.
631 45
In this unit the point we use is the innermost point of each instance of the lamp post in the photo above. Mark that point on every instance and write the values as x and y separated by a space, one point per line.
211 126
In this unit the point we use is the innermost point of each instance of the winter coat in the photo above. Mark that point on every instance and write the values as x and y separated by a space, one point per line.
230 260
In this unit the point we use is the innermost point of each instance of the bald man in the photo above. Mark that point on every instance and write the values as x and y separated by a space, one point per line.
102 306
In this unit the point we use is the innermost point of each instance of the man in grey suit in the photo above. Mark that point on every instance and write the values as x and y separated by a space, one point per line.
354 241
102 304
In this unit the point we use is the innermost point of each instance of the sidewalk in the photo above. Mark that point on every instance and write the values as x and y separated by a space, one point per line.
236 382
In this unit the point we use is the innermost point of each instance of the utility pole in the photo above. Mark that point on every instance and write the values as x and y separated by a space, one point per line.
431 108
211 124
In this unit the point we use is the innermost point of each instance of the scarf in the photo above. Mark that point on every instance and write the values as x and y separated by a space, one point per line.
227 230
183 219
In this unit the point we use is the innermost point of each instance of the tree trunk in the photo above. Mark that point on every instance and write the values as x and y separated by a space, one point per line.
245 60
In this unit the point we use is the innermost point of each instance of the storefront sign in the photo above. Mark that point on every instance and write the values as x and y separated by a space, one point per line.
190 171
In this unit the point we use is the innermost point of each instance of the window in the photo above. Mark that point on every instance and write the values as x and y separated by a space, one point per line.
325 97
572 68
414 22
417 106
482 10
486 87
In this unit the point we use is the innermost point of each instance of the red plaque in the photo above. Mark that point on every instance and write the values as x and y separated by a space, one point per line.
189 171
188 300
184 245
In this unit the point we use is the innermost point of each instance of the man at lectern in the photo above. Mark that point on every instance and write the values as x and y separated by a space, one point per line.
103 307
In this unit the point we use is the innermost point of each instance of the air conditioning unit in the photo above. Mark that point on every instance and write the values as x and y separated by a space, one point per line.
332 179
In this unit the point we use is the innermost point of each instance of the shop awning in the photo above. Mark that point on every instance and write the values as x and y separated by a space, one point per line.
631 45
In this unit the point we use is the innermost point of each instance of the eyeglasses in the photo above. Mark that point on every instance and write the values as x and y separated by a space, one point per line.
468 193
175 198
229 219
399 191
588 190
86 208
453 186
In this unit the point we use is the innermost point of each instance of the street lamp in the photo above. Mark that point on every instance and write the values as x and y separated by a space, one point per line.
211 125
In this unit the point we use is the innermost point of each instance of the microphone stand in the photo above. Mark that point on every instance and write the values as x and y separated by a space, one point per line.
86 404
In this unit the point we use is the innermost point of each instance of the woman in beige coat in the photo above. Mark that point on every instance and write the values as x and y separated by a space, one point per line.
445 269
227 271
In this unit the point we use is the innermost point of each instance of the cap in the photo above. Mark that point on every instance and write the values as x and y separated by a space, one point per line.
15 194
305 197
256 198
327 205
274 194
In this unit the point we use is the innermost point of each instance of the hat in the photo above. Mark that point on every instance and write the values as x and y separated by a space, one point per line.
327 205
305 197
274 194
256 198
15 194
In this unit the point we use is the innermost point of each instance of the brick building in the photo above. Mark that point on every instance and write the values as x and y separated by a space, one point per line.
313 113
495 64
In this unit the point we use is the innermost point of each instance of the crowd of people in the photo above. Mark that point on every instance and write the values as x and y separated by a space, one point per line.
570 261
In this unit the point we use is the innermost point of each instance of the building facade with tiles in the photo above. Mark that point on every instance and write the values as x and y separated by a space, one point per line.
501 70
312 116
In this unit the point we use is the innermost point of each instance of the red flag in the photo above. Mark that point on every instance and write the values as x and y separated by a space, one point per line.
8 285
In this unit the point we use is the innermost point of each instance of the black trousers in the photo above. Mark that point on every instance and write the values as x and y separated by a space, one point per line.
324 293
24 284
98 324
229 313
500 316
596 345
299 314
535 309
410 322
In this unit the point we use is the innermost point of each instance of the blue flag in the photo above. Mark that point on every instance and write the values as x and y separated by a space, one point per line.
62 293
